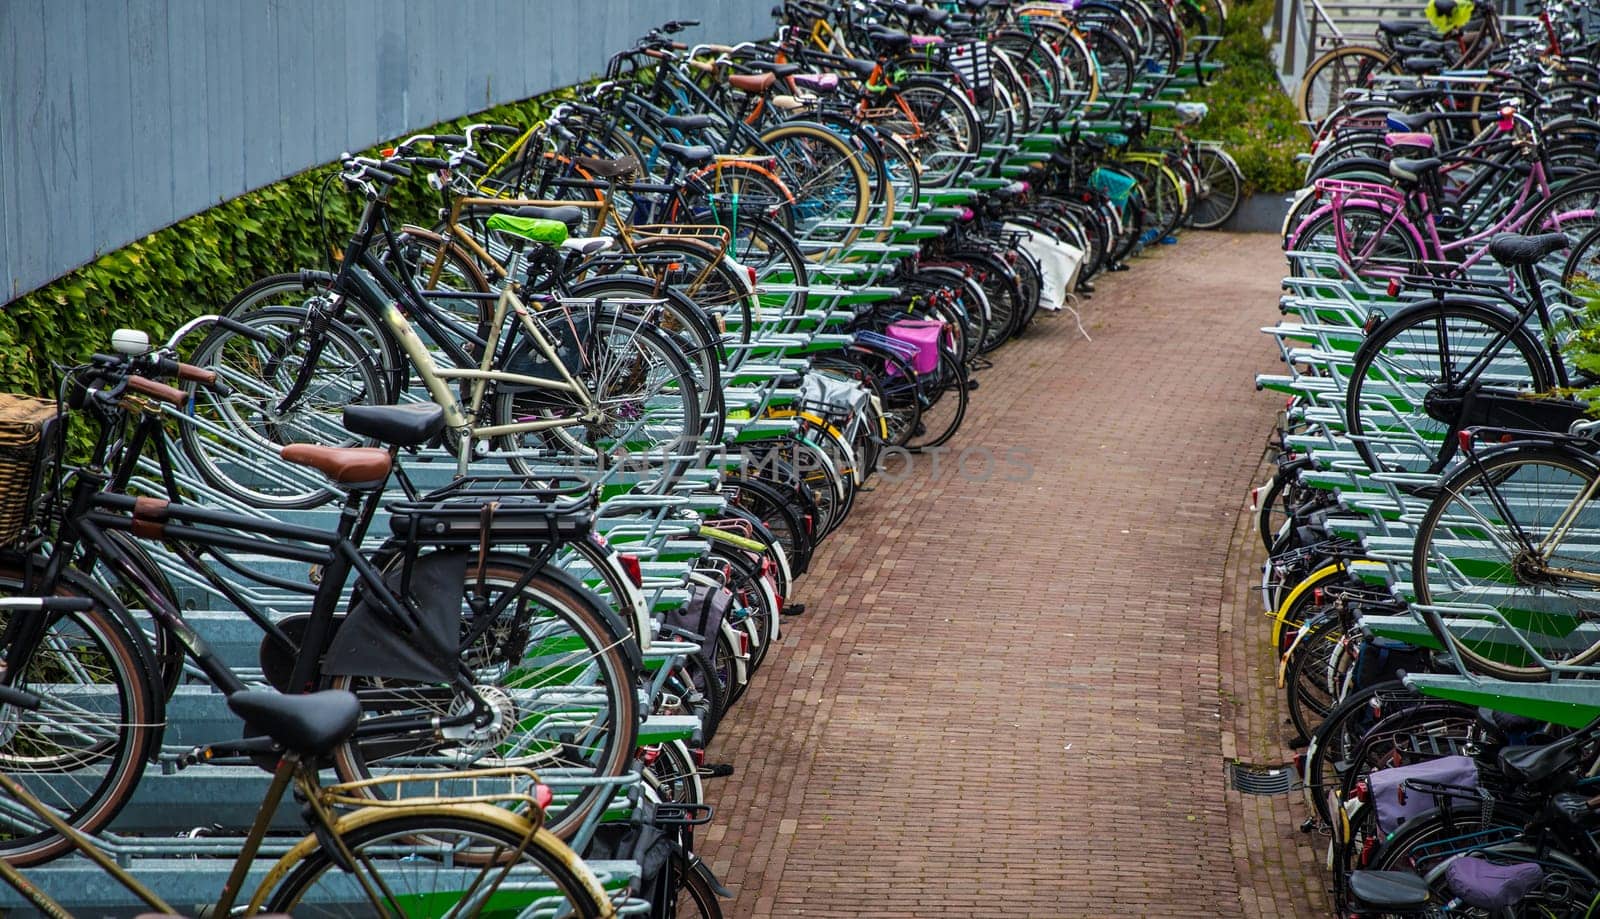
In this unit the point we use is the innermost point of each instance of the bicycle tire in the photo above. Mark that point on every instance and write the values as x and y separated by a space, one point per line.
1315 103
480 827
1222 189
825 158
234 437
1540 613
1410 351
575 637
114 766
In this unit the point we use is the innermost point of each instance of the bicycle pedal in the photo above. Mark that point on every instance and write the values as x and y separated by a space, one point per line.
972 385
1120 266
793 609
717 771
1169 240
1308 824
1299 743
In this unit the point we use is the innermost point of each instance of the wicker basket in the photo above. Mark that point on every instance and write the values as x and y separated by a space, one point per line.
27 437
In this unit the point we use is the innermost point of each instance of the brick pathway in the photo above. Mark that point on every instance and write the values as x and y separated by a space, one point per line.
1012 697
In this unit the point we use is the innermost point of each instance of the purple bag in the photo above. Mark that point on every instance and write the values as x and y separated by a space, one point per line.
1486 885
1394 805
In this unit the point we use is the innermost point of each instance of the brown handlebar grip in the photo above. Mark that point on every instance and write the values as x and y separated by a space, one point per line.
189 373
169 394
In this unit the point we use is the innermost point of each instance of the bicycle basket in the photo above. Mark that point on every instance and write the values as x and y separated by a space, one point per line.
1115 185
27 438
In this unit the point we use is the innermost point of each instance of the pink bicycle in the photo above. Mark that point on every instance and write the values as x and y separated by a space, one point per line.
1386 232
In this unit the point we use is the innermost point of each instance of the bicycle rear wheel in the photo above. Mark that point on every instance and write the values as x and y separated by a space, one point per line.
1405 396
1481 542
412 863
553 670
1221 189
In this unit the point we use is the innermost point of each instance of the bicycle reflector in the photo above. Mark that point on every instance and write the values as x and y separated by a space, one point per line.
1394 287
1464 439
1507 121
543 796
631 567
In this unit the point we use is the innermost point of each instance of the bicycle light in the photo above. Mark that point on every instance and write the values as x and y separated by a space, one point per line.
1464 440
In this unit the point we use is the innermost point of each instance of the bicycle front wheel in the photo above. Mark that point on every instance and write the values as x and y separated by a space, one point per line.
81 753
827 177
1483 542
289 381
410 864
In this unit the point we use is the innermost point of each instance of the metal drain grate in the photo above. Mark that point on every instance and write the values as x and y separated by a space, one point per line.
1252 779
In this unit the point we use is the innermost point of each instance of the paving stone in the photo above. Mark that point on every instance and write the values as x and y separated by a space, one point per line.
1008 697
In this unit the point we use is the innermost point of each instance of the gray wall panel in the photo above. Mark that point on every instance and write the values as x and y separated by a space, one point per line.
120 117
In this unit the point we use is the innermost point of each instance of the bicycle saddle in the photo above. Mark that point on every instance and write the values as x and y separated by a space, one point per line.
573 217
1511 249
310 724
608 169
354 467
776 69
689 122
817 82
890 40
1412 170
752 82
1395 27
859 67
686 154
1388 889
1533 765
1415 121
1421 94
1422 64
406 425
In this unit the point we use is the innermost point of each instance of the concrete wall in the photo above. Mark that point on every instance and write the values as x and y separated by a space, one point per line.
120 117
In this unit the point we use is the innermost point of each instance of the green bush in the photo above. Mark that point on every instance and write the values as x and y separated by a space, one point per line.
198 264
1250 113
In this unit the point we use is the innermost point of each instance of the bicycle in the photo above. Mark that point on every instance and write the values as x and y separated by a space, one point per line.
462 855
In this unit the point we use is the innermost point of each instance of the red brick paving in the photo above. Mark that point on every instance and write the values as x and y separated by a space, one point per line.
1010 698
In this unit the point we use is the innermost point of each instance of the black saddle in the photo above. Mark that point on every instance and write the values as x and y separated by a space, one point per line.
1425 63
1513 249
406 425
1413 170
311 724
1398 27
859 67
891 41
1388 889
689 122
776 69
1534 765
688 155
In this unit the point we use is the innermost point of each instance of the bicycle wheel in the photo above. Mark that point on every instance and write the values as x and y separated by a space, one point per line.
82 752
1221 189
938 124
290 379
1371 241
827 178
1163 199
671 773
1335 741
1322 87
643 390
696 897
944 403
1405 397
552 668
1482 542
411 864
1313 678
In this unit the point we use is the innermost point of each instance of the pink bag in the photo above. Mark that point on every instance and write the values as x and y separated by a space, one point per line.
924 334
